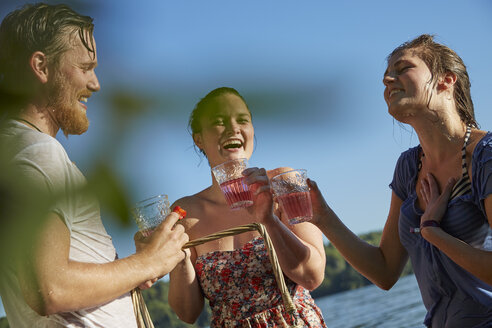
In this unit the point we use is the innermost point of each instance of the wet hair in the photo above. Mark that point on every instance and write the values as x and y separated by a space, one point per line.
440 60
204 108
37 27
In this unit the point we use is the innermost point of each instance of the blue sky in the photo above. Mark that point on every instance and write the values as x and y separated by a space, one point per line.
310 71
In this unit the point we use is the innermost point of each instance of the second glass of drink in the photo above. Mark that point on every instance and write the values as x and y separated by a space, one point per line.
231 180
293 195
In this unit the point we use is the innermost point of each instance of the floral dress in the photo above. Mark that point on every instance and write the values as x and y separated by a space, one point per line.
242 291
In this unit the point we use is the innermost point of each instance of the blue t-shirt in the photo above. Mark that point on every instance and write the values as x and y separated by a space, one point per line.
452 296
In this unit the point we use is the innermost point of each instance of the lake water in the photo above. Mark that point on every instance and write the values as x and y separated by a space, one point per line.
400 307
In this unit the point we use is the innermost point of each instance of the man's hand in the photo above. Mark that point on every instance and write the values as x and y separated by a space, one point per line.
162 250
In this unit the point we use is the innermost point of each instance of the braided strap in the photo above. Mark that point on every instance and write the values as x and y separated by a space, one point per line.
140 309
277 271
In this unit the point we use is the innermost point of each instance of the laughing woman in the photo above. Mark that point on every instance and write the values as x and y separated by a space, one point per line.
234 273
441 205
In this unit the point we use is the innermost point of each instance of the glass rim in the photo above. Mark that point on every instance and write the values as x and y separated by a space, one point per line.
142 203
230 161
289 171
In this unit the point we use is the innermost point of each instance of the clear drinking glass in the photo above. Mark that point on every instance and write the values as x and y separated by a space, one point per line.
293 195
150 212
231 180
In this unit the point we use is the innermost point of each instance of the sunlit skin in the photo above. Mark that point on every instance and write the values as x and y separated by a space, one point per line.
74 80
64 88
427 104
408 85
228 133
299 247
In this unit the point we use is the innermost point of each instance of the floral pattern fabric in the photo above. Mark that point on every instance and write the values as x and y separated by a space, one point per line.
242 291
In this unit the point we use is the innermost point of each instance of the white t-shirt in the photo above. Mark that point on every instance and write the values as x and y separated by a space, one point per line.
42 158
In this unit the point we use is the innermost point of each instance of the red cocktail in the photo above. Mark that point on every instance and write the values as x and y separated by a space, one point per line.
237 193
292 193
297 206
231 180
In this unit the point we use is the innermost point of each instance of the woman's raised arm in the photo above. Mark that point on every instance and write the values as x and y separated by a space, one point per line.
381 264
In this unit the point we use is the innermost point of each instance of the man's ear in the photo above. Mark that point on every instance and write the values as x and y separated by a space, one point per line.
39 66
446 81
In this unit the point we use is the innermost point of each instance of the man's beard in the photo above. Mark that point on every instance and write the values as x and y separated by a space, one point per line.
64 104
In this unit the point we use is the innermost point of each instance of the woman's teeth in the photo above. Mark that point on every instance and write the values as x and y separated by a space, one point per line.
232 144
392 92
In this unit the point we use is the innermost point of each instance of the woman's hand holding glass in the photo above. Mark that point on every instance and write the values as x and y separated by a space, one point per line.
259 183
321 210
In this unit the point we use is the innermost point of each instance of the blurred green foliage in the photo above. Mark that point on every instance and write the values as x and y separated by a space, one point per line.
4 323
109 191
21 207
24 205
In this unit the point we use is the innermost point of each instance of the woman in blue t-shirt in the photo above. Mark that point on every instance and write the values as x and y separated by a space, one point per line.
441 208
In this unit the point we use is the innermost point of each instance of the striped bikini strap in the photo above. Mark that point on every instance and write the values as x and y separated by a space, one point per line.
463 186
464 169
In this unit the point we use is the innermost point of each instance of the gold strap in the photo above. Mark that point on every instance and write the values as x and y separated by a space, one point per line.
141 313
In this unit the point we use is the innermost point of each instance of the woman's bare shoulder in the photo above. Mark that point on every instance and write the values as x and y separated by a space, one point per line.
194 205
187 201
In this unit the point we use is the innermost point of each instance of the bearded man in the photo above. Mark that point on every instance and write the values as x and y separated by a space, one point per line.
69 276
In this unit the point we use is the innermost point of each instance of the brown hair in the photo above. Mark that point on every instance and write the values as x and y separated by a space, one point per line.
440 59
203 109
37 27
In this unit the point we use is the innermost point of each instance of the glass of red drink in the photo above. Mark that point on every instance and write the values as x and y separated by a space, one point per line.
150 212
292 193
230 177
